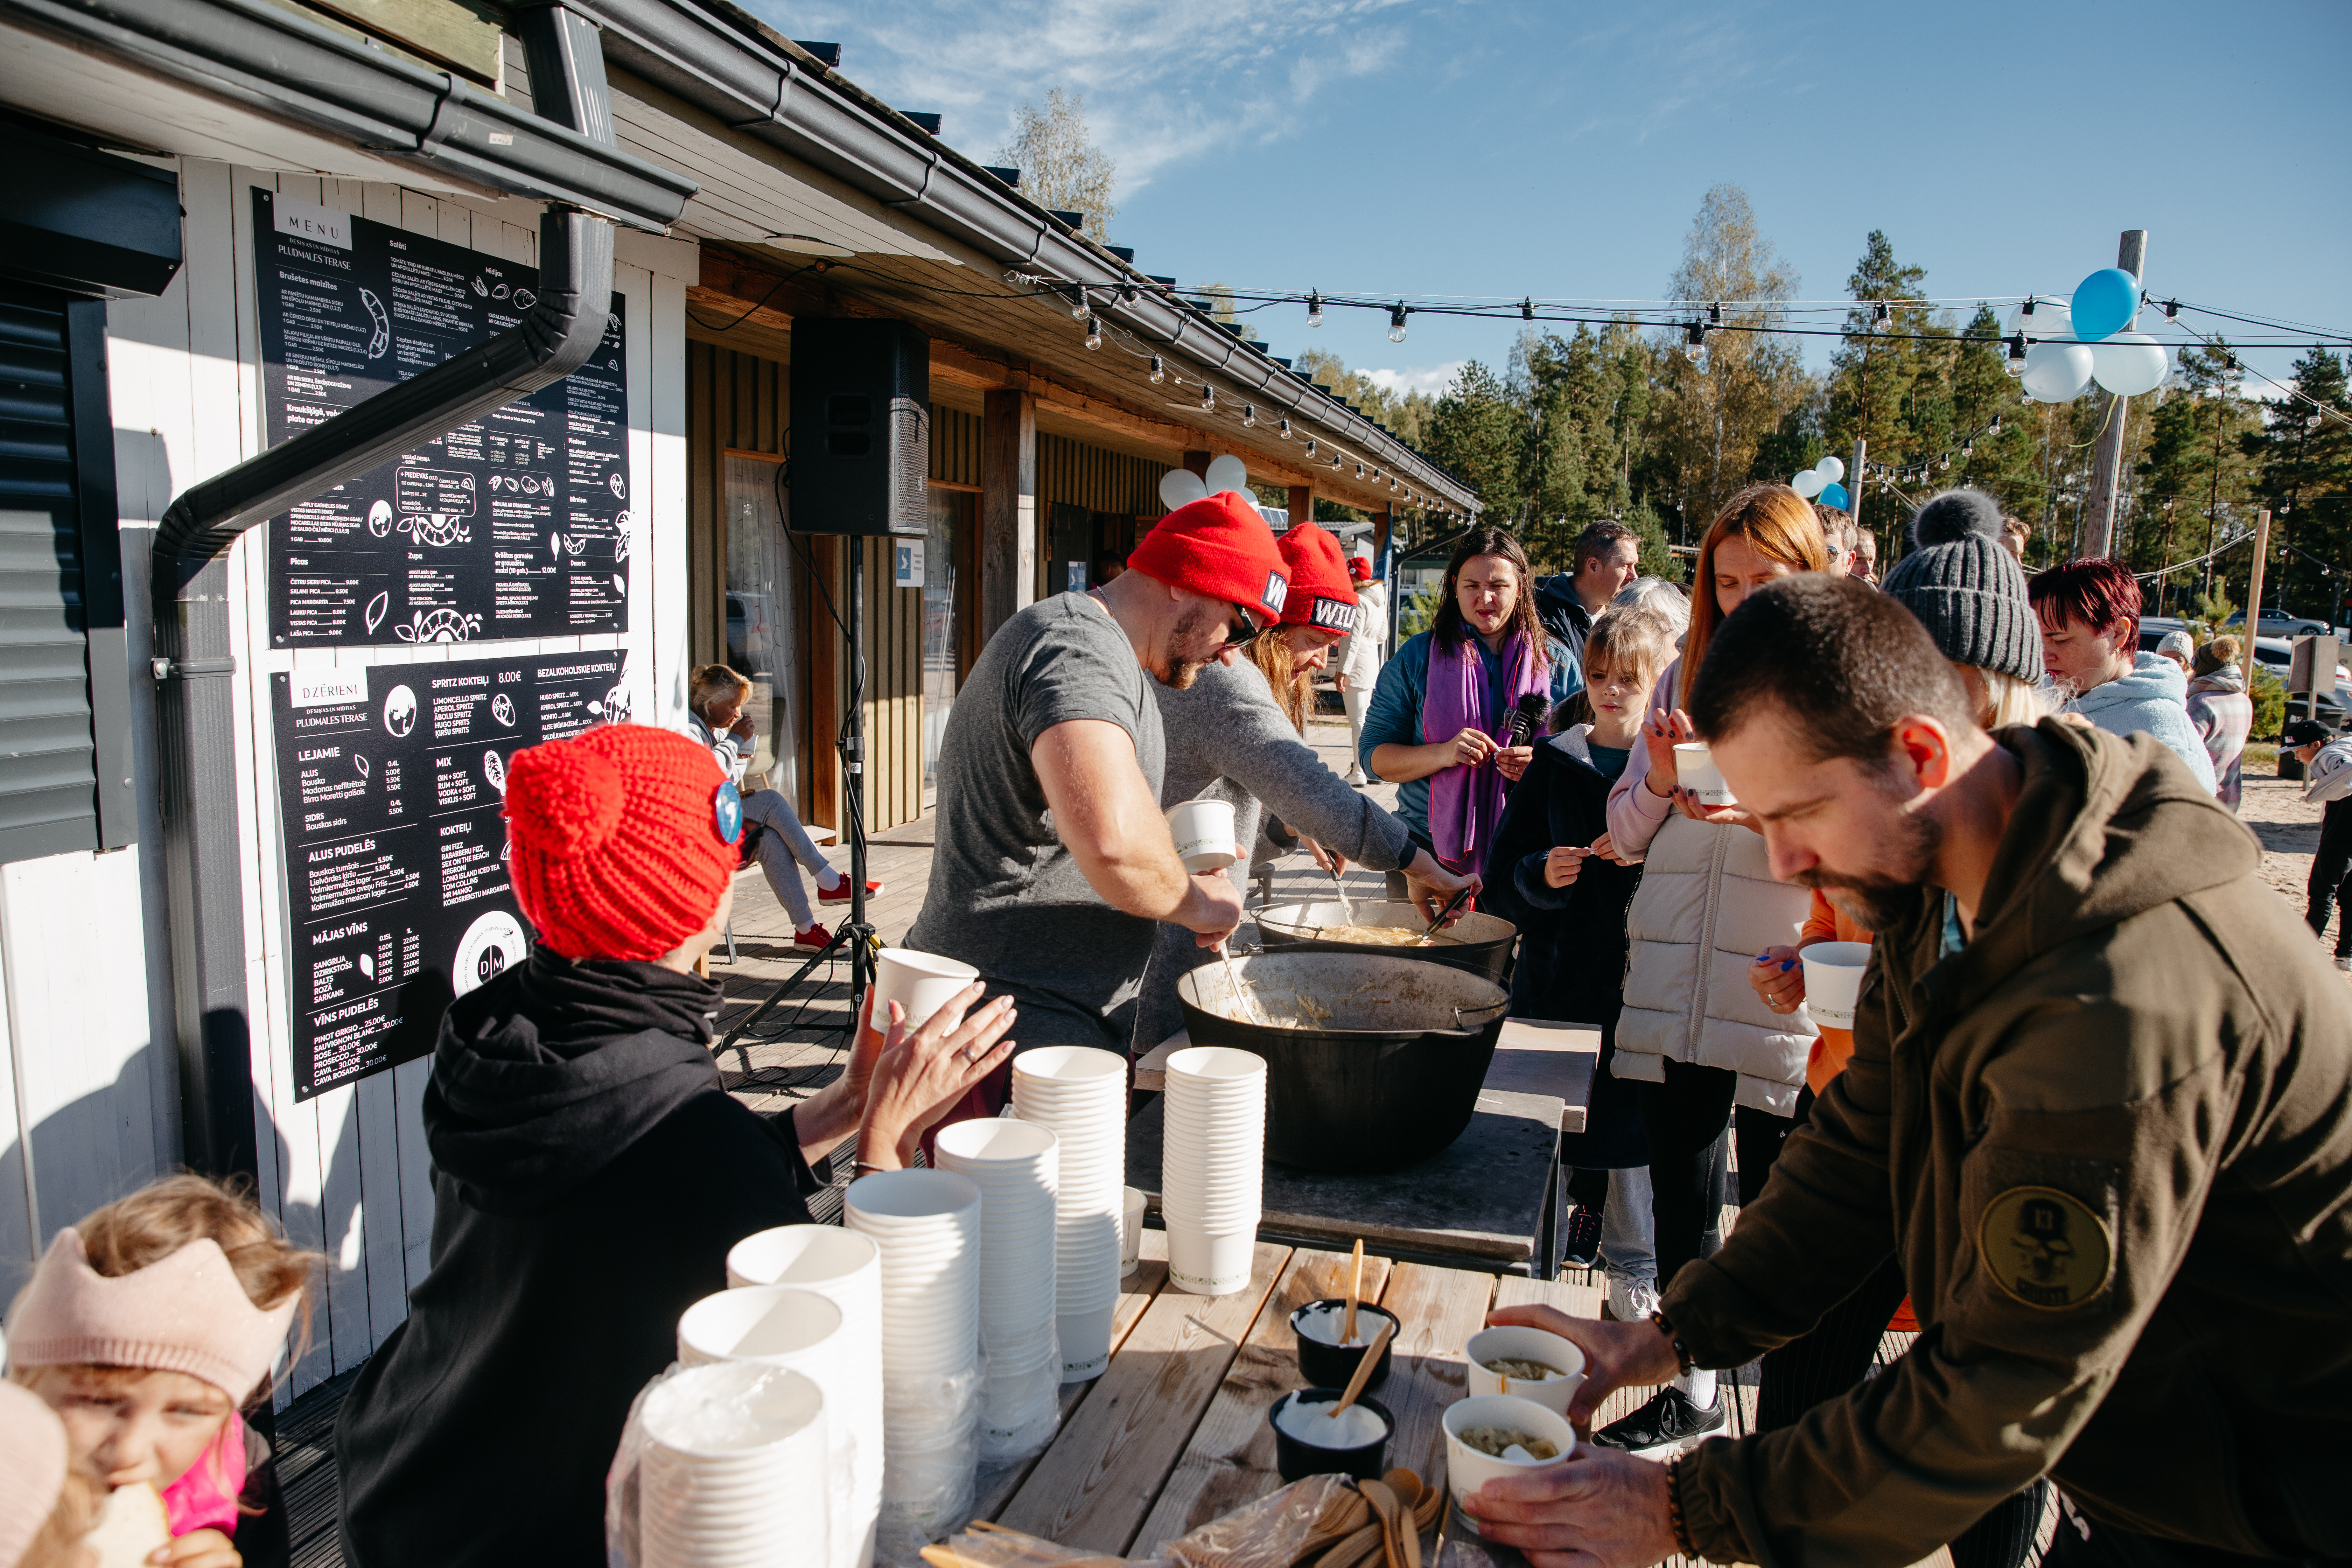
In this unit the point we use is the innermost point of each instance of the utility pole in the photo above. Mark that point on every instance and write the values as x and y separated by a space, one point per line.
2107 471
2254 591
1855 471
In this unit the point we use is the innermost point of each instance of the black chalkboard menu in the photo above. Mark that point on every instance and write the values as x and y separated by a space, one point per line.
390 778
514 526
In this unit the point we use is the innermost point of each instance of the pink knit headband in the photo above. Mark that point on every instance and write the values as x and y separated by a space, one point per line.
183 1313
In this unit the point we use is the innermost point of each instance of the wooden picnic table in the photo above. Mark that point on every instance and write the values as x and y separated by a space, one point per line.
1490 1200
1174 1433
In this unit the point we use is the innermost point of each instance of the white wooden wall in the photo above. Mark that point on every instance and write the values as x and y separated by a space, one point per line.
346 1172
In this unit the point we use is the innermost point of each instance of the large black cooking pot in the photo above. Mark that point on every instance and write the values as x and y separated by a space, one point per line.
1371 1063
1475 941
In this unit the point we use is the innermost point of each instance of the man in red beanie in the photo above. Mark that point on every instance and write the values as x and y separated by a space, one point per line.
590 1170
1053 861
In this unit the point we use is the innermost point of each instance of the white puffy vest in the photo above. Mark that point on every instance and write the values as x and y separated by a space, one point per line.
1706 906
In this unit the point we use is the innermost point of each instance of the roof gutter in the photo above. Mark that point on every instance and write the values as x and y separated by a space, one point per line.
195 657
722 61
275 63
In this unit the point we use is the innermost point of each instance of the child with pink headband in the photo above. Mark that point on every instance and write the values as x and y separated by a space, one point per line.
146 1328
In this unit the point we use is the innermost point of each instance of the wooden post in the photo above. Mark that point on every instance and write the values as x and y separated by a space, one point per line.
2254 596
1384 526
2106 469
1008 508
1301 504
1857 466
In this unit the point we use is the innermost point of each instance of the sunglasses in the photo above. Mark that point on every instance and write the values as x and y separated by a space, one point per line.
1241 629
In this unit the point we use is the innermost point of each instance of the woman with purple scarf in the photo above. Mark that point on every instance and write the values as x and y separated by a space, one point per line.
1442 712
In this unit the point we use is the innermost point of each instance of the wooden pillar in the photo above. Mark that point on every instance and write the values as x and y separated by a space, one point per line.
1008 508
1383 524
1302 504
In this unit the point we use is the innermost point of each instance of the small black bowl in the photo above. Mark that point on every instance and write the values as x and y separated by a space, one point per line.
1330 1366
1297 1460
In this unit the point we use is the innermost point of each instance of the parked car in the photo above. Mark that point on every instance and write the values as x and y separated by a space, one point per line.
2273 625
2275 654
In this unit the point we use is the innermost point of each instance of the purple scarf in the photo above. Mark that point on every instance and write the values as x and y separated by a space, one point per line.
1465 804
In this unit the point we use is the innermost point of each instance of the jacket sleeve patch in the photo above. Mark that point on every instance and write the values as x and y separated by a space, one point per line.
2045 1247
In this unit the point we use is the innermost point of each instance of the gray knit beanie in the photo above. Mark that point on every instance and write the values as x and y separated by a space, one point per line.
1966 589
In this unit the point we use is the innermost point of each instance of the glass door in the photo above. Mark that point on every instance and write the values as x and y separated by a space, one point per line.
762 638
951 520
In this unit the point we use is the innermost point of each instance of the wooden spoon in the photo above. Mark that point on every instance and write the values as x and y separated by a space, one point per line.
1355 1292
1384 1504
1364 1365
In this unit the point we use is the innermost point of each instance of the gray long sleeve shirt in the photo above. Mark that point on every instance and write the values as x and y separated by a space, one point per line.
1229 740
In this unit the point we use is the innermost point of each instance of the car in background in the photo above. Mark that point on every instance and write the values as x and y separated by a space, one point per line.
2275 624
2275 655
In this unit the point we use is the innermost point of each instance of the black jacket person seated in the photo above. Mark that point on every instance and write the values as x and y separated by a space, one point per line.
590 1170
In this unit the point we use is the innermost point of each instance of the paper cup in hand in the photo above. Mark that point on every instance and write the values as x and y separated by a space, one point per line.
1535 1345
920 983
1203 831
1834 980
1468 1468
1695 770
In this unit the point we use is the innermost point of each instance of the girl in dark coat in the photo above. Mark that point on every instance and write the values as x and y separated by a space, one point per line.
1549 872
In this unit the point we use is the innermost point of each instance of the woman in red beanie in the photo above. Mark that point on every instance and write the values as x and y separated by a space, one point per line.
590 1170
1234 733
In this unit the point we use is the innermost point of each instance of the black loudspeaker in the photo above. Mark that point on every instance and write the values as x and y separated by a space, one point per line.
861 427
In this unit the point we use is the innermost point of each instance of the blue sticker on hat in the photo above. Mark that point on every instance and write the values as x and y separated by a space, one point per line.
728 809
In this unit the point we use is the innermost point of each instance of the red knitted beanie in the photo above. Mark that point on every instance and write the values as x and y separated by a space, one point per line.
1219 546
1322 594
617 844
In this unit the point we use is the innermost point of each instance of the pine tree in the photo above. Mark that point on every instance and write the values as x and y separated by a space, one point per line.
2197 474
2305 451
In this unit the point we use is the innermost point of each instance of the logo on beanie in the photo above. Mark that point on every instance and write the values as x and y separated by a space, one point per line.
1333 615
1277 589
727 810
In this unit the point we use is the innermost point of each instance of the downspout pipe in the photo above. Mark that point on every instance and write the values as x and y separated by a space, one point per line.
195 658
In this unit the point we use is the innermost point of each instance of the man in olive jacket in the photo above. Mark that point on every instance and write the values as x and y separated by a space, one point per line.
2097 1109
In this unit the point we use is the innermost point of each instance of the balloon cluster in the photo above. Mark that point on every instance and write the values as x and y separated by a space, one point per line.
1182 487
2088 338
1822 482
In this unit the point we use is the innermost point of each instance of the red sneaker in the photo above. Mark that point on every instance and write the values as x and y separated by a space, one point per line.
840 895
816 936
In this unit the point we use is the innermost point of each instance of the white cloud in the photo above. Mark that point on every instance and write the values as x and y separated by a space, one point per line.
1163 83
1432 381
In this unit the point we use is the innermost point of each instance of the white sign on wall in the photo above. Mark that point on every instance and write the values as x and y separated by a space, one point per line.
907 563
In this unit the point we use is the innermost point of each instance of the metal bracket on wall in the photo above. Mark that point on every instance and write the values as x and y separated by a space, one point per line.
192 668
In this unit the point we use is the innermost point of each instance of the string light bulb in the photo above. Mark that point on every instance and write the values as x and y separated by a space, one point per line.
1283 429
1993 428
1249 414
1694 335
1208 398
1310 449
1528 309
1714 314
1882 317
1314 309
1396 322
1094 333
1158 370
1080 306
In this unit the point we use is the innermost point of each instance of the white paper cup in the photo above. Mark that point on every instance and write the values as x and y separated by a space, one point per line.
1467 1470
1833 973
920 983
1085 1341
1209 1265
1695 770
1527 1344
734 1457
759 1324
1203 831
1131 1232
812 1255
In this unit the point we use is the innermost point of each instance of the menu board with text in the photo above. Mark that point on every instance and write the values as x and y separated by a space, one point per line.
391 781
516 525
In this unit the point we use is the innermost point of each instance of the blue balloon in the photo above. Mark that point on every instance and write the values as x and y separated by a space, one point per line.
2104 303
1834 497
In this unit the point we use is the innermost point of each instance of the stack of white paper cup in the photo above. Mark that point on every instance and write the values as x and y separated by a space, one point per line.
845 1268
779 1325
1016 1165
927 1223
1081 1093
1213 1167
733 1469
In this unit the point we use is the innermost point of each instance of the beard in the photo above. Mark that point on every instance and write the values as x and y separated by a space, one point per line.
1177 671
1884 896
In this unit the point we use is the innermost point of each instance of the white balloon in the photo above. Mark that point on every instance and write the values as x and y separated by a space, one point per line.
2048 316
1181 487
2056 372
1831 469
2128 363
1227 472
1809 483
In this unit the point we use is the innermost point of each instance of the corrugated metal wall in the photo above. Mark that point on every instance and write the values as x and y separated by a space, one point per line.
955 447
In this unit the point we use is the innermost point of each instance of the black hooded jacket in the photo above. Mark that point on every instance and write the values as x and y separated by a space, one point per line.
589 1176
1563 614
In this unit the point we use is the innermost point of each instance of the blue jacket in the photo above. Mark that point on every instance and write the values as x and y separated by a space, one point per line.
1394 716
2152 699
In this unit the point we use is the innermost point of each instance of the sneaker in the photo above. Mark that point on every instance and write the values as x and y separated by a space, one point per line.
815 936
840 893
1630 1300
1357 777
1670 1418
1582 1245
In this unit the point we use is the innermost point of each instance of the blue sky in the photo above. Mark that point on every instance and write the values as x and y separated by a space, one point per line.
1510 148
